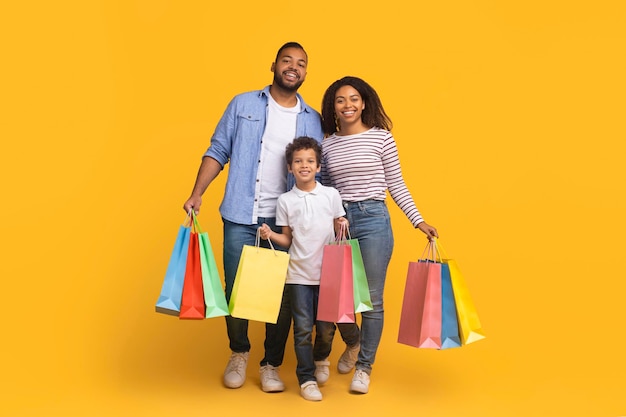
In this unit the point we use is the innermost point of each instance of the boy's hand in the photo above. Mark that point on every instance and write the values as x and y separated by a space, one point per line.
265 231
341 222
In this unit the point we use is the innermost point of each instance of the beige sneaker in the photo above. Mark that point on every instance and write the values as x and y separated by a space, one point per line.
235 373
310 391
322 371
270 381
360 382
348 359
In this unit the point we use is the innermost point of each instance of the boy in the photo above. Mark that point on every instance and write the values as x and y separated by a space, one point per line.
309 214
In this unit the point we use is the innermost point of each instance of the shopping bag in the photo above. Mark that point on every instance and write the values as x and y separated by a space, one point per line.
192 304
449 323
470 328
362 299
214 297
420 317
469 324
172 288
336 296
259 283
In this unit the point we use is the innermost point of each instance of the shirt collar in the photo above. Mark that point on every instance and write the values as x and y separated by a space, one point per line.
303 106
302 194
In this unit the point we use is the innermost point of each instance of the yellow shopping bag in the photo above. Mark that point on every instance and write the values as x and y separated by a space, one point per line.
259 283
470 328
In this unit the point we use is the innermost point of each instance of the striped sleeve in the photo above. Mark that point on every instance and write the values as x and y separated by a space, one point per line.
366 166
396 186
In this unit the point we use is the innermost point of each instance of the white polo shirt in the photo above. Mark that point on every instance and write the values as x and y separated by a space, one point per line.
310 215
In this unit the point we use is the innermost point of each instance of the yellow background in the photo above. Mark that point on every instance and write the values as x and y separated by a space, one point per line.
509 117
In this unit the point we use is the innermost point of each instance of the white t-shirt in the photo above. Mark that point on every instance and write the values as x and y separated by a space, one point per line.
310 216
280 131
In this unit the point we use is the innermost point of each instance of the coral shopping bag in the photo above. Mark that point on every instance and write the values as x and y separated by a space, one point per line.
259 283
172 288
336 297
420 319
469 324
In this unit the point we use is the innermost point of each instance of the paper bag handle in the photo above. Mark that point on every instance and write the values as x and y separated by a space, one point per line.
257 241
432 251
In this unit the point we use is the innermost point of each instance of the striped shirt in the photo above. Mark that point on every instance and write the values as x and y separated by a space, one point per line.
365 166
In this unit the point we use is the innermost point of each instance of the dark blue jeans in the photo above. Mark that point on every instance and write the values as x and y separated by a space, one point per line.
235 237
303 300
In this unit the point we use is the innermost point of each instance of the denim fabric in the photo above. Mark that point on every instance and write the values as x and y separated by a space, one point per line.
235 237
237 139
371 225
325 333
303 300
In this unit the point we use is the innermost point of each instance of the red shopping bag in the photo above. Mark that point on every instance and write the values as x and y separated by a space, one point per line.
192 304
336 296
420 319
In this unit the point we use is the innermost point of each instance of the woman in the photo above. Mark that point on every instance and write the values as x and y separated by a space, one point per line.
360 159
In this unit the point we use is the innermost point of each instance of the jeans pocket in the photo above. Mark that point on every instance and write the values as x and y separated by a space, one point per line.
374 210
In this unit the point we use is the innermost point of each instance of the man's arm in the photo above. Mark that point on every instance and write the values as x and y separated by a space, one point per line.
209 169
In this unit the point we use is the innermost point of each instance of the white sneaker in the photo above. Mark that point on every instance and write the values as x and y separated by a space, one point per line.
270 381
310 391
322 371
235 373
360 382
348 358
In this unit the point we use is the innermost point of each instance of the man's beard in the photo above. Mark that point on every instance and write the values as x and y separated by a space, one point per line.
278 80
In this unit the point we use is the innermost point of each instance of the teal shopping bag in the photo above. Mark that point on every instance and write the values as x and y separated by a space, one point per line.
172 289
450 337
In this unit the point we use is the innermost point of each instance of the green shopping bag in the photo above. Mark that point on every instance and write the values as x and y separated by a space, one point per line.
214 297
362 299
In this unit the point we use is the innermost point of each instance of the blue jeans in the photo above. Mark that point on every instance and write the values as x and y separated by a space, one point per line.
325 333
371 225
235 237
303 300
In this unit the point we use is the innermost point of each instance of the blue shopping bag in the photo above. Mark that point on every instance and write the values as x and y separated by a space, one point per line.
172 288
450 337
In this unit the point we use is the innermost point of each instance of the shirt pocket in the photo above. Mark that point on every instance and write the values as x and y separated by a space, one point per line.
249 126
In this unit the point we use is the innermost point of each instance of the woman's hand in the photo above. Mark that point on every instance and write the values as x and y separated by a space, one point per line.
430 231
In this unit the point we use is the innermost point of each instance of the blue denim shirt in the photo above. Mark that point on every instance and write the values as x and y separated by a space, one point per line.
237 139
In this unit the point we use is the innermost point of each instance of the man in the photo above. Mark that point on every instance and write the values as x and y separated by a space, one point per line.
252 135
